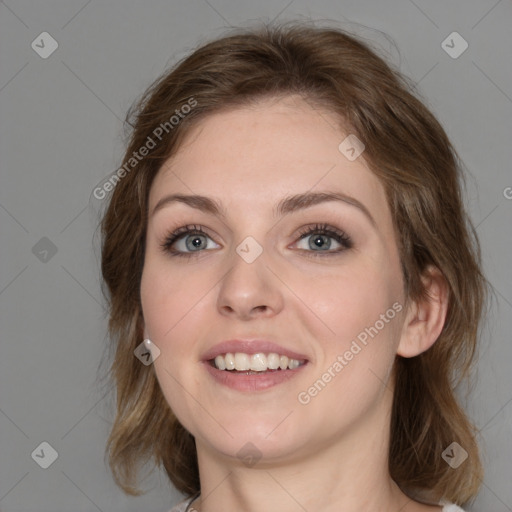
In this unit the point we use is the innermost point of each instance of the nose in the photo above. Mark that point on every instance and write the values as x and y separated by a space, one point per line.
249 290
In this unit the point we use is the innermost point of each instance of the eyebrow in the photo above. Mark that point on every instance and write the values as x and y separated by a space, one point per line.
286 206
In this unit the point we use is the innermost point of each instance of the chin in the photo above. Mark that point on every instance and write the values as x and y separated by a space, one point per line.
268 437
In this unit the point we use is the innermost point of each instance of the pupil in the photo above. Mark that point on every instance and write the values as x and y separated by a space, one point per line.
320 241
196 242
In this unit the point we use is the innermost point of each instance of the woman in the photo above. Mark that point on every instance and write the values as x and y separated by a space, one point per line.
287 236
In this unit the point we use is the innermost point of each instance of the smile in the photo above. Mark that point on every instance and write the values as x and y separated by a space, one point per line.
255 363
253 372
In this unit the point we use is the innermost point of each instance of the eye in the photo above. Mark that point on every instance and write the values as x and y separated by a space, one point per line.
318 240
189 240
185 241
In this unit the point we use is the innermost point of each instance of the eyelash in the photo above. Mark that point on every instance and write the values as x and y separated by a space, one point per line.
323 229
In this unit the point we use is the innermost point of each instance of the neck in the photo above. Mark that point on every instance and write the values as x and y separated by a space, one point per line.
349 474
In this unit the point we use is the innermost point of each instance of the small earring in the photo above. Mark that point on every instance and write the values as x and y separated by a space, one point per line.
153 349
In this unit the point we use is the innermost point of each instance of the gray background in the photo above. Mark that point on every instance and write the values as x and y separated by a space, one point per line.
61 134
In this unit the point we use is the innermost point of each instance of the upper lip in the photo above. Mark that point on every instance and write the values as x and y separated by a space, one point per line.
250 347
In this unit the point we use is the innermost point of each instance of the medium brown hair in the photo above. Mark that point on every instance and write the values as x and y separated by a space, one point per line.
406 148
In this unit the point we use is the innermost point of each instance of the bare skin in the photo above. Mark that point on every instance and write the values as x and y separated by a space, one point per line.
328 452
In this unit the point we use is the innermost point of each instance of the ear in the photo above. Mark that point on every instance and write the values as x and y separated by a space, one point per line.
425 318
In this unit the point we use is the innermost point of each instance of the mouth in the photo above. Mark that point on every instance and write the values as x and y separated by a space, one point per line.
244 372
254 364
251 365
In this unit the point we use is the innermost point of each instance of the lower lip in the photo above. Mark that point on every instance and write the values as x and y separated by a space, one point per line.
251 382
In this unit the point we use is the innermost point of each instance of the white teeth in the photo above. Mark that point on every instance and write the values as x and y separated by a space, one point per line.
293 363
256 362
220 363
273 361
242 362
229 360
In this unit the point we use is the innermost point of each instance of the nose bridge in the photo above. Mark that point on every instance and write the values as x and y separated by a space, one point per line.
249 287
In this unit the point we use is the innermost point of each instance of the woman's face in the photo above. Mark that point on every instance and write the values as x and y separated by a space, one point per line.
277 264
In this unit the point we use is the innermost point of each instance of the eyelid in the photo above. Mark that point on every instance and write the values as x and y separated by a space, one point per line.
322 228
341 237
179 233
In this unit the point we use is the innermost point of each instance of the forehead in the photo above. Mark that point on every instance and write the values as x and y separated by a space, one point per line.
251 157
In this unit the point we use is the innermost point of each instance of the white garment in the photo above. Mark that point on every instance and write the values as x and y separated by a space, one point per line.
450 507
181 507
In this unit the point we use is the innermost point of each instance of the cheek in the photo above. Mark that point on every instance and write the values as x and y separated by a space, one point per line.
173 304
357 336
347 300
171 301
354 364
